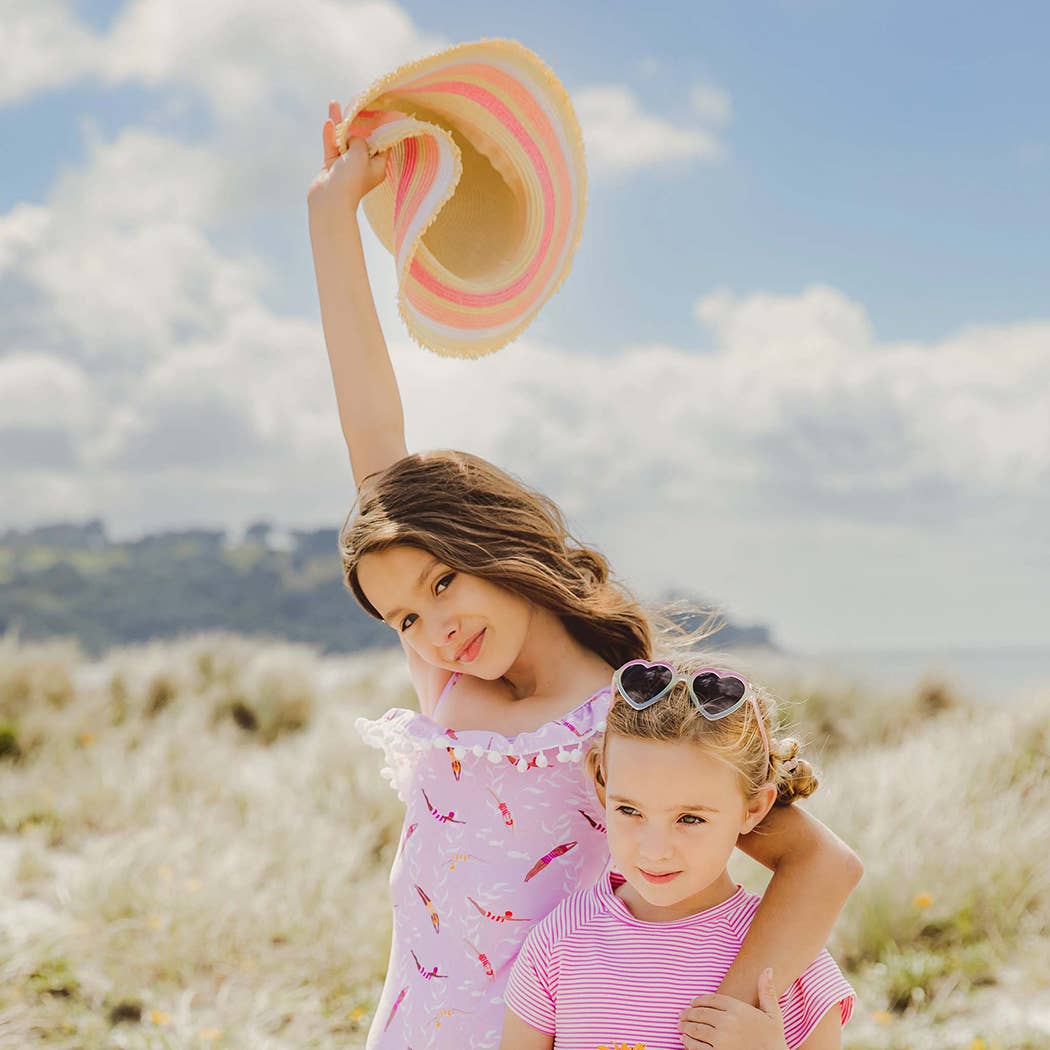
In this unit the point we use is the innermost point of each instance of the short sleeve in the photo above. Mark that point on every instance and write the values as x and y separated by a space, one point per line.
531 990
821 987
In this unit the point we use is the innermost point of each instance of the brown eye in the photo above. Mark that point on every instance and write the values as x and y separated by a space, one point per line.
438 588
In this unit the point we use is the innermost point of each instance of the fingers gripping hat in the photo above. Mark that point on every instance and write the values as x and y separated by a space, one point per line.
485 191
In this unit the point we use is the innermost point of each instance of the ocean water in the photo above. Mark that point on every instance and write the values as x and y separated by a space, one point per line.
984 675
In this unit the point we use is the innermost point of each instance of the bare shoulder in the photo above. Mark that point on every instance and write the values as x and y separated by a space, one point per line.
477 703
473 703
828 1033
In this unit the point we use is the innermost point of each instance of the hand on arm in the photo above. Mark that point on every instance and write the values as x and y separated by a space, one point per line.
366 390
725 1023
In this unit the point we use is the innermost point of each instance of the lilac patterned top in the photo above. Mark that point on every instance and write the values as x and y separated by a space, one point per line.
497 832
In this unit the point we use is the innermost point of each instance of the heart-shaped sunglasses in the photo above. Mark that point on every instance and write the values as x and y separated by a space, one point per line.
714 693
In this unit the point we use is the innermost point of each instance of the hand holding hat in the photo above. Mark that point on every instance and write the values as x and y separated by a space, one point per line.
347 176
482 191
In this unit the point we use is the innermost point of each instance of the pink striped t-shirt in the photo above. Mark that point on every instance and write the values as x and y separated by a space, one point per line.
593 975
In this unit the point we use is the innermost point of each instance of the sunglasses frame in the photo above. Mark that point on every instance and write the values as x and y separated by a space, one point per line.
688 679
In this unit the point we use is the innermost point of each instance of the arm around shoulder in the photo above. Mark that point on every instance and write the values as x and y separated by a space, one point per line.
814 873
517 1035
790 835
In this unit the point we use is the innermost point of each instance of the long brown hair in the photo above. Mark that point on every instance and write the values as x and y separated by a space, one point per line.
477 519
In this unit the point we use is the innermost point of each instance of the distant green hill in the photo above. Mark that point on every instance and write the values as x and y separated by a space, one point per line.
71 579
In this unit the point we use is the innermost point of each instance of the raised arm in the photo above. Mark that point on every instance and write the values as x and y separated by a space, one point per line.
814 872
366 390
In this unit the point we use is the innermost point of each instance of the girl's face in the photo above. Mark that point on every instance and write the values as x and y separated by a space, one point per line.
451 619
674 813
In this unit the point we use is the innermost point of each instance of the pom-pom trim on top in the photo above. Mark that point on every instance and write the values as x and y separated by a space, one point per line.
401 733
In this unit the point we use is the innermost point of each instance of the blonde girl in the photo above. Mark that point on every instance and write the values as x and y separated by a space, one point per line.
686 766
511 629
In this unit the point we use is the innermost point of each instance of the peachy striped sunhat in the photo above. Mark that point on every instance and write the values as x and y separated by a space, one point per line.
485 191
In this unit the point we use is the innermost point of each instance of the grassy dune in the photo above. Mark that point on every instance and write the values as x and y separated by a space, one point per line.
194 847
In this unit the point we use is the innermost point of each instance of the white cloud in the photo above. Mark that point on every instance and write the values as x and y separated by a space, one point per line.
821 322
711 104
20 229
142 176
41 390
255 59
808 482
124 298
620 136
44 47
250 59
116 287
46 404
122 265
937 426
867 430
263 69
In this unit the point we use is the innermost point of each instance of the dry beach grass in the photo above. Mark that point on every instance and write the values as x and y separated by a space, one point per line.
194 847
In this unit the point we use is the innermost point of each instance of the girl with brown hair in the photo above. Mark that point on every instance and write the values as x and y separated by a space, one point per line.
511 629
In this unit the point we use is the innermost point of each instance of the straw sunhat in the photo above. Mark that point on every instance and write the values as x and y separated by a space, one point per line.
485 191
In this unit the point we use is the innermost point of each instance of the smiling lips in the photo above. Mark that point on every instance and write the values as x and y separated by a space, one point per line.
659 878
470 651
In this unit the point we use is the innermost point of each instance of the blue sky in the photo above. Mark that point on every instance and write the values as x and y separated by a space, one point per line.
832 248
898 151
